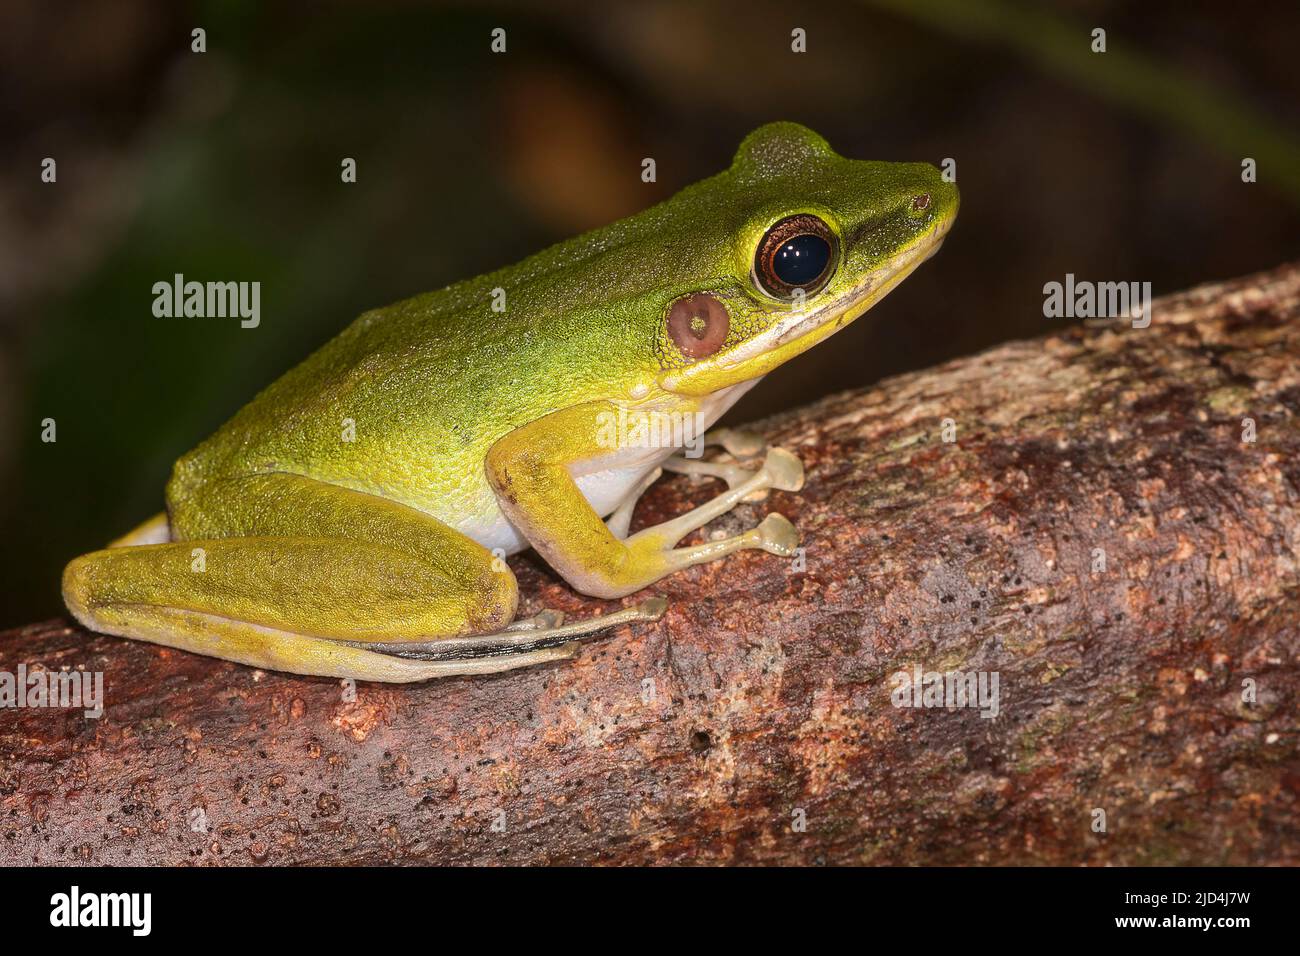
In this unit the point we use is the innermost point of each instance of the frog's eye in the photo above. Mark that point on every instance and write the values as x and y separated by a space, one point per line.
698 325
797 253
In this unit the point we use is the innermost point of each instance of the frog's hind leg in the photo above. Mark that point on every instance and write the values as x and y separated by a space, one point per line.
268 602
545 618
281 650
519 639
283 572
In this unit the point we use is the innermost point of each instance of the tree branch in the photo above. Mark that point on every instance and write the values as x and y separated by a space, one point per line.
762 701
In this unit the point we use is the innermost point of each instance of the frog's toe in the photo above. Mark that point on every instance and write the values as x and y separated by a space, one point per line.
652 608
741 442
784 470
543 618
776 535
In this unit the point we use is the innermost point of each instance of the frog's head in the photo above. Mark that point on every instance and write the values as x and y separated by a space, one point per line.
794 242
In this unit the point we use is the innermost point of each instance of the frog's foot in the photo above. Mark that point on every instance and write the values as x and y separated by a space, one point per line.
737 444
788 475
775 534
732 474
528 639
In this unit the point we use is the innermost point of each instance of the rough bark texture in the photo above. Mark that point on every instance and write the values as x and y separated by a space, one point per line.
763 698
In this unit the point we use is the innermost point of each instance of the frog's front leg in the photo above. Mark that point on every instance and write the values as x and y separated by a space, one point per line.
739 442
621 520
736 442
532 472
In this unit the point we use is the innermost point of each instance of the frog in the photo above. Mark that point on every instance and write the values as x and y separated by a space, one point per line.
353 520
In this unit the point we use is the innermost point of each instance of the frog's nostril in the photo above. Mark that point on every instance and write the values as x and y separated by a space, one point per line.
921 202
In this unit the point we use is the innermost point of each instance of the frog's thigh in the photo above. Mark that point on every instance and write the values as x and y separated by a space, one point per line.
308 561
281 505
281 603
459 583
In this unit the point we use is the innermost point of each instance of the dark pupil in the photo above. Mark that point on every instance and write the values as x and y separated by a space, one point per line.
801 260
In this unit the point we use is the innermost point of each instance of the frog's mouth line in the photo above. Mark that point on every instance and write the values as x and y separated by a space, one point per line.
869 290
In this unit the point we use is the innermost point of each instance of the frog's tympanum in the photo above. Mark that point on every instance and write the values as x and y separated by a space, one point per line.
352 520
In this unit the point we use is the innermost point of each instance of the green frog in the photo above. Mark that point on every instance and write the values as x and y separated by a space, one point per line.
353 519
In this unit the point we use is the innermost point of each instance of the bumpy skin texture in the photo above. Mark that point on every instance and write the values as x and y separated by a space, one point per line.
354 500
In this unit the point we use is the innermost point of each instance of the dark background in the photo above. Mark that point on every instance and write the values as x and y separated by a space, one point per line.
225 165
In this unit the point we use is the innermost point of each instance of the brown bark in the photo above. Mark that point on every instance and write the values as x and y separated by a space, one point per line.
1120 690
